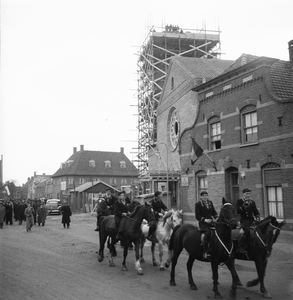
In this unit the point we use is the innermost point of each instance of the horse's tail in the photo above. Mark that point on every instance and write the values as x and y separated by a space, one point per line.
171 242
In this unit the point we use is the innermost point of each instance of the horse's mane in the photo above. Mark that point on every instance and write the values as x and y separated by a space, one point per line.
262 225
133 214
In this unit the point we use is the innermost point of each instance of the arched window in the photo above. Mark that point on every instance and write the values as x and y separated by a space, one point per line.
122 164
92 163
107 164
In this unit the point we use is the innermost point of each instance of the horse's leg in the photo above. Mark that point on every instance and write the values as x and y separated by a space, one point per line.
153 254
235 278
169 259
189 272
112 251
125 251
261 269
215 264
176 253
161 252
102 238
137 260
142 241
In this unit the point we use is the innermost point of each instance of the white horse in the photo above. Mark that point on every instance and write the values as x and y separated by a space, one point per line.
162 235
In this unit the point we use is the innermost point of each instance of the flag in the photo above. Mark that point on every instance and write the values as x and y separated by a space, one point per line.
7 190
196 151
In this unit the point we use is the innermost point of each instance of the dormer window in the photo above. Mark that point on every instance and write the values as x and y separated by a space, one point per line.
107 164
122 164
92 163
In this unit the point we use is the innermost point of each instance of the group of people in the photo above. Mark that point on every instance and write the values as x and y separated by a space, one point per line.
31 211
206 215
122 206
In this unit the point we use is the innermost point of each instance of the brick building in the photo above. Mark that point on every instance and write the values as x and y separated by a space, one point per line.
242 117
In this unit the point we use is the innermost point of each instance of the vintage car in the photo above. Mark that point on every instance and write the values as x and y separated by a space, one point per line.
53 206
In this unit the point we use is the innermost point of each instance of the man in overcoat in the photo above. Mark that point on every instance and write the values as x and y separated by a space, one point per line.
8 212
248 212
110 199
204 213
66 214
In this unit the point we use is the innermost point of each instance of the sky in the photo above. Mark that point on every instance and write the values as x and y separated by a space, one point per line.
69 68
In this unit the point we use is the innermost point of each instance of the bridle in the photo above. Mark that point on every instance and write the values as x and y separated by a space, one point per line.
226 220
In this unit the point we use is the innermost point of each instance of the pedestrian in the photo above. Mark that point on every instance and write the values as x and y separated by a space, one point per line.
21 208
8 212
66 214
120 211
2 213
204 213
110 199
15 210
248 211
36 204
41 214
29 217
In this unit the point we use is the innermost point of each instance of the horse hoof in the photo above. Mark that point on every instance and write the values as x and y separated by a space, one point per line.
193 287
139 272
167 265
100 259
142 260
267 295
162 268
155 264
172 283
124 268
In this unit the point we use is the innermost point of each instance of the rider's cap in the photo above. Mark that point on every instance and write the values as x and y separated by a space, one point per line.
246 191
157 193
204 193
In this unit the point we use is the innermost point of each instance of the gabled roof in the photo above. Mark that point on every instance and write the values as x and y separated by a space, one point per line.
282 79
88 185
78 164
240 61
203 67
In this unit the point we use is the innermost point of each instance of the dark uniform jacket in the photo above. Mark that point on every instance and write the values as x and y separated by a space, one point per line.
110 202
119 208
203 212
158 205
247 210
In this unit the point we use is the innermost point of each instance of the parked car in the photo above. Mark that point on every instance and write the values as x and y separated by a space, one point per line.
53 206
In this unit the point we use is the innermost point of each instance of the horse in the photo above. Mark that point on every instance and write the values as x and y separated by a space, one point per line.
188 237
130 232
259 248
162 235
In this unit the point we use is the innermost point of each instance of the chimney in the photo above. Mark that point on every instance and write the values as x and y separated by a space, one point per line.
121 149
44 174
290 47
81 147
35 174
74 149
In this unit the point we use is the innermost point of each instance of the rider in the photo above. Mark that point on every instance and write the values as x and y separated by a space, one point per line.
101 208
120 210
157 206
248 211
110 199
204 213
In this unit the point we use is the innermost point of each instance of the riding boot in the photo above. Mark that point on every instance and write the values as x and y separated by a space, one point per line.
117 238
241 248
205 255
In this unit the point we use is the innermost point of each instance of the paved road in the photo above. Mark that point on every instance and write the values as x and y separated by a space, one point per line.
55 263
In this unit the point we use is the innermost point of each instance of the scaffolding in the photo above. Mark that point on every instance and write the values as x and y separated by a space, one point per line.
154 59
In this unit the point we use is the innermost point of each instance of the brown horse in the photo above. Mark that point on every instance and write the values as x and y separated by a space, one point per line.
188 237
130 232
260 245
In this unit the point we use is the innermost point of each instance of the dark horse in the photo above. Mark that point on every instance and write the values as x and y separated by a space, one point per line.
188 237
130 232
260 245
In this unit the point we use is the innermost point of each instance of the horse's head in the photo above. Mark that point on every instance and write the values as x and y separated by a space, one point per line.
270 228
228 214
173 218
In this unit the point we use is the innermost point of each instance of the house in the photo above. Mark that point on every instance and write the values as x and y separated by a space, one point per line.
242 120
84 166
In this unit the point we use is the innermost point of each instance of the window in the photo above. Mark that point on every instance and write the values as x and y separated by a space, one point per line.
275 201
92 163
249 127
122 164
81 180
70 180
113 181
215 136
107 164
123 181
174 129
202 183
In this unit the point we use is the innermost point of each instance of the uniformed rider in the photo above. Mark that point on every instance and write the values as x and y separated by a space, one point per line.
120 211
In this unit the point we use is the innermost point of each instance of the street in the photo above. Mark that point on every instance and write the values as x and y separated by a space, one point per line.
51 262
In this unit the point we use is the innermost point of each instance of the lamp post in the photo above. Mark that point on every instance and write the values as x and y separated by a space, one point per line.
167 169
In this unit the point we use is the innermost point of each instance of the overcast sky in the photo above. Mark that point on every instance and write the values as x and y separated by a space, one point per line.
68 68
